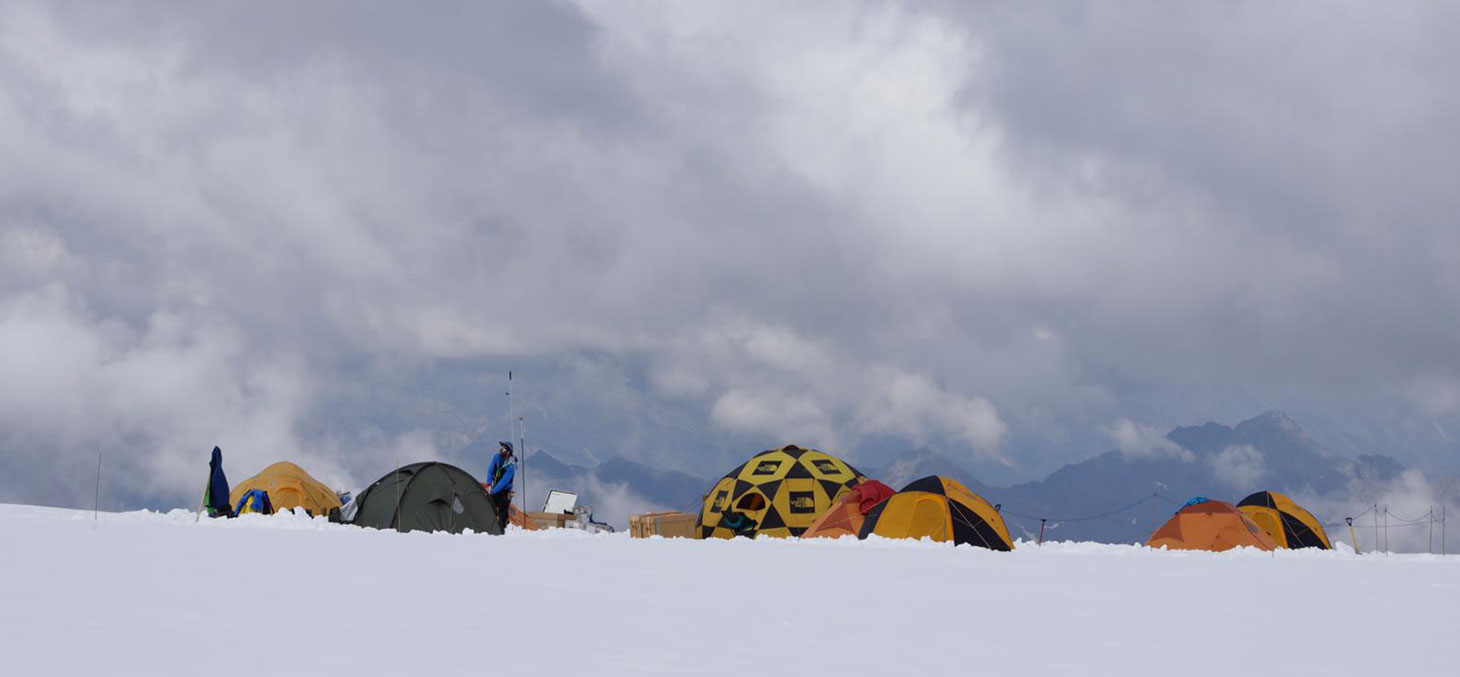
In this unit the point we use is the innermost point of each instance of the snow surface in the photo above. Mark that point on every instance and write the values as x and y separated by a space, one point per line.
160 594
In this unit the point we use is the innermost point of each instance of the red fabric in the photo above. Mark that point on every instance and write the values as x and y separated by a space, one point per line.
872 492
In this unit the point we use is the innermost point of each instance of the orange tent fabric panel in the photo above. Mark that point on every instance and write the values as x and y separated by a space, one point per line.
848 513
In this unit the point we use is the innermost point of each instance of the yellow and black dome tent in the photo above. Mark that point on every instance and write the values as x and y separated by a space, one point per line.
776 493
942 509
289 486
1287 522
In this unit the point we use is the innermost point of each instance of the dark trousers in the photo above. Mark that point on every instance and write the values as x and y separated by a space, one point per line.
502 501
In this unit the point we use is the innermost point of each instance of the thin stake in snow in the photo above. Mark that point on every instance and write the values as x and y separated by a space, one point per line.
96 499
1376 527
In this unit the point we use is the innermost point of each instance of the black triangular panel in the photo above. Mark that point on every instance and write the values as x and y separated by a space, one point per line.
831 488
793 451
769 489
872 517
971 529
772 519
799 471
1261 498
1298 534
931 484
707 532
741 486
797 531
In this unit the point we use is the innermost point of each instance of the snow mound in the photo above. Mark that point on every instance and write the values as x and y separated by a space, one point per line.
146 593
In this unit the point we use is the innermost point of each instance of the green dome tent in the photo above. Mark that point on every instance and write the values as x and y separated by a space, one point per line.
427 497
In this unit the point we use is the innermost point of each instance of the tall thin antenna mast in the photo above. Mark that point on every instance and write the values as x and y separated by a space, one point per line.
511 421
522 462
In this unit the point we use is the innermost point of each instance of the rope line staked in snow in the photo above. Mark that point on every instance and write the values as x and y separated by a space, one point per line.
1088 517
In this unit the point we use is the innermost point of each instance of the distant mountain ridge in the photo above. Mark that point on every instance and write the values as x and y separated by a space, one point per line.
1269 451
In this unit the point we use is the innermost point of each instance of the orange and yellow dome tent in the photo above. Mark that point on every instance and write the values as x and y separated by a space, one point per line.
846 516
1287 522
289 486
940 508
1203 524
777 493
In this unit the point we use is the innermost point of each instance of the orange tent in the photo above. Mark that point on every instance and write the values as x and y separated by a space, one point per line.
846 516
1210 525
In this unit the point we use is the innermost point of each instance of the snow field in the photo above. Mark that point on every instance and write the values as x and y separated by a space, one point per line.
158 594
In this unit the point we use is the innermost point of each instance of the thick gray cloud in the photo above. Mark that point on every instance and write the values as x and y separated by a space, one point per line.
325 233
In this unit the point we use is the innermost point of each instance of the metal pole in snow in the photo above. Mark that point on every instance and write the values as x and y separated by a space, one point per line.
96 499
511 421
1041 531
522 462
1376 527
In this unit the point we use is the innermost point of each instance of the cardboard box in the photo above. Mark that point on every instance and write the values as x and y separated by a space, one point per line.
549 520
666 524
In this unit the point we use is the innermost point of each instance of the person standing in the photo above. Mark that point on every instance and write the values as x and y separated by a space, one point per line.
499 482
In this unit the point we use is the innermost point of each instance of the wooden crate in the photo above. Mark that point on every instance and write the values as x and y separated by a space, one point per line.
666 524
549 520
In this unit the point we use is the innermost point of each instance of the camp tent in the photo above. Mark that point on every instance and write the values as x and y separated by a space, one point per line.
940 508
846 516
426 497
1210 525
1287 522
778 493
289 486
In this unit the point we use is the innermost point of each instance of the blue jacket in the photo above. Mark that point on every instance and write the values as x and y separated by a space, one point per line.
508 472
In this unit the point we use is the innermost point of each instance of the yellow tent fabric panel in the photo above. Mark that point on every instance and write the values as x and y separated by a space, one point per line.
289 486
1270 521
777 493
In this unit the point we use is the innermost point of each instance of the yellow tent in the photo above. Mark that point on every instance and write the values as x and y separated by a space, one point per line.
942 509
776 493
289 486
1287 522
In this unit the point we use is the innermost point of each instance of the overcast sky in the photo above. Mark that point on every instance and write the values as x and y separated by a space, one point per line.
324 232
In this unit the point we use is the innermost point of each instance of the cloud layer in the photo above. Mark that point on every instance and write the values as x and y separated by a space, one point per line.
325 232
